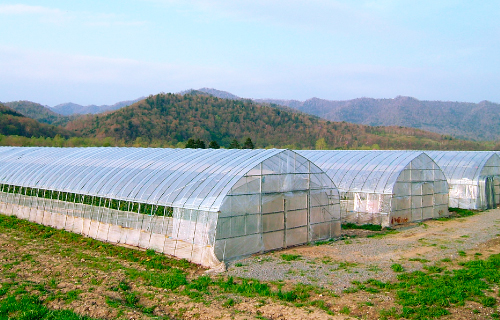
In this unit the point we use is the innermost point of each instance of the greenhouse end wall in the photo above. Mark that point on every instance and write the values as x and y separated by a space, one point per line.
289 202
473 178
385 187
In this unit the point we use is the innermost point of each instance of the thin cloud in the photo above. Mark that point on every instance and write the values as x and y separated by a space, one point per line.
22 9
58 16
320 15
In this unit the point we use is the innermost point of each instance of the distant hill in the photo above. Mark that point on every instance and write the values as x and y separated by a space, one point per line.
213 92
70 108
14 123
177 118
35 111
475 121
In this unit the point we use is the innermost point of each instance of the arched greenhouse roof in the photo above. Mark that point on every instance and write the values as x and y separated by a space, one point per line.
466 166
372 171
188 178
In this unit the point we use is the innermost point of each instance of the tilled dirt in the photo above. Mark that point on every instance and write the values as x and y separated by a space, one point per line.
331 267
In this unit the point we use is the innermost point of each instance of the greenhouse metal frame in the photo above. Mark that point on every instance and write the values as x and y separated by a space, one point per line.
473 177
204 205
384 187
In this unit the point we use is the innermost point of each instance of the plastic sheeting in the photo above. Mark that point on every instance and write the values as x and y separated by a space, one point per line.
384 187
473 177
226 203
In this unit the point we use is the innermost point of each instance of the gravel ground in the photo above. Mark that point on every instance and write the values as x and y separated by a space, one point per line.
336 264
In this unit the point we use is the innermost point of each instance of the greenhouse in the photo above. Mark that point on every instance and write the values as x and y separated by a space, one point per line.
204 205
385 187
473 176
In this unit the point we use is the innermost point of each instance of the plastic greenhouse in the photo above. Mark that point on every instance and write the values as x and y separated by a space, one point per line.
473 176
385 187
203 205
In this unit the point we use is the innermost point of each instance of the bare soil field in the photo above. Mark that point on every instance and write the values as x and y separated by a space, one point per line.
444 269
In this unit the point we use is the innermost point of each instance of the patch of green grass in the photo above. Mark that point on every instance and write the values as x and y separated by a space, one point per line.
371 227
169 279
383 233
462 212
384 313
229 303
461 253
396 267
291 257
345 310
346 265
28 306
419 260
489 301
252 288
374 268
149 258
321 304
425 295
321 242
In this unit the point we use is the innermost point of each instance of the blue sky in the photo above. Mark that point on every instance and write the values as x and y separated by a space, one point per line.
102 52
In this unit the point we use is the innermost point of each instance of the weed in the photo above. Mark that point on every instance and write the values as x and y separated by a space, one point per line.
388 312
346 265
238 264
396 267
123 286
419 260
131 299
321 304
382 234
53 283
371 227
345 310
200 284
461 253
374 268
229 303
291 257
489 301
113 302
462 212
31 307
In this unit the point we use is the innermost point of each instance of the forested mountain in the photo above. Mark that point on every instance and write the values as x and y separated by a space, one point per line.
475 121
73 108
176 118
35 111
14 123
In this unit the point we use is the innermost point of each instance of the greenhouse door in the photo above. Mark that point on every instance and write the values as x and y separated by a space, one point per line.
295 206
490 193
285 219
